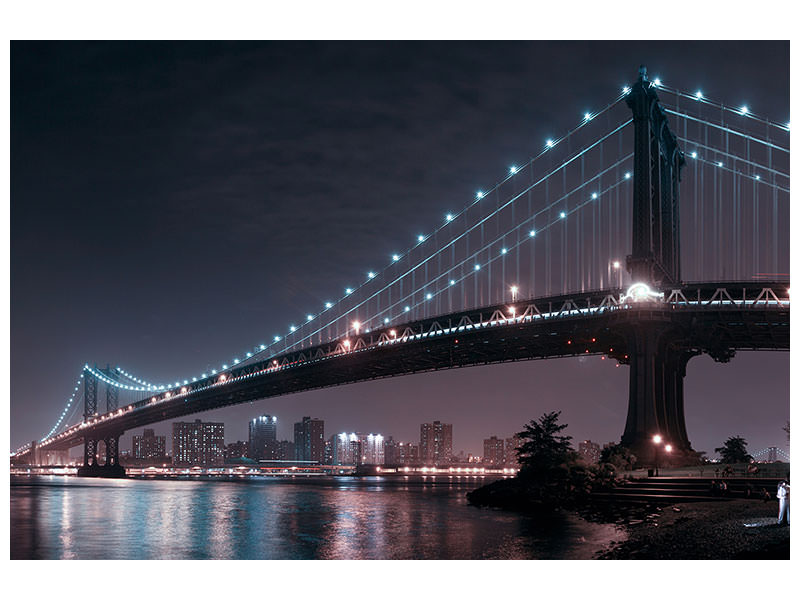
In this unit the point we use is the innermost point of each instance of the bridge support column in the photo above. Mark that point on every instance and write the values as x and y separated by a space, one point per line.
111 468
655 403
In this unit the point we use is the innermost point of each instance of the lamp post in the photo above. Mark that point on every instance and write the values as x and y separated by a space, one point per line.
656 442
668 450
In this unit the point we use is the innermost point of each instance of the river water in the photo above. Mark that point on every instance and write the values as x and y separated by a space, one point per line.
56 517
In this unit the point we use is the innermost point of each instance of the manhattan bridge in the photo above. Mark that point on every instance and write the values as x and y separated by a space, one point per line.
655 230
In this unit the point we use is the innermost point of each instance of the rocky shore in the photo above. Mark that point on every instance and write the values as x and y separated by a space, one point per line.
736 529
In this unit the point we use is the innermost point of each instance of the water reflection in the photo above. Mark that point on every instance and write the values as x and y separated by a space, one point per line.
333 518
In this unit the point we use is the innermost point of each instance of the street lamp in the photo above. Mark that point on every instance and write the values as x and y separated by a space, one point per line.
656 442
514 290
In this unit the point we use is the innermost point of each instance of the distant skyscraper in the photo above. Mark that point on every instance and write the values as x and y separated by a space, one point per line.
309 440
198 443
285 450
512 445
589 451
149 447
347 449
435 443
263 437
372 449
494 451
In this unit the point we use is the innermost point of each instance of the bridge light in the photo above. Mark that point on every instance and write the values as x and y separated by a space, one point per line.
328 305
236 361
563 215
393 333
479 195
594 195
292 328
428 295
758 177
657 82
513 170
656 439
719 164
348 290
347 343
549 143
744 110
420 238
668 447
386 320
587 116
448 217
639 292
628 175
626 89
514 290
699 95
224 366
615 264
213 372
452 282
407 308
477 267
356 326
222 377
277 338
395 257
694 154
504 251
532 233
371 275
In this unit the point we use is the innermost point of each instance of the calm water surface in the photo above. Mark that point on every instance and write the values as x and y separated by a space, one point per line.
336 517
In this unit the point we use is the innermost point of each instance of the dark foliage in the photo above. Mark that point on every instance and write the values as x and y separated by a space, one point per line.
734 450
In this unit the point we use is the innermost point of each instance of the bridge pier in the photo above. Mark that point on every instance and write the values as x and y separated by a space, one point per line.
111 468
655 403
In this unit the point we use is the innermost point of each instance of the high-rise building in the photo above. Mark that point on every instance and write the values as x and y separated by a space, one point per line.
435 443
263 437
494 451
198 443
309 440
589 451
285 450
513 444
149 447
372 449
347 449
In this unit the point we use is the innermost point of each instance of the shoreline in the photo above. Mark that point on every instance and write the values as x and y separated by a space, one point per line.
733 529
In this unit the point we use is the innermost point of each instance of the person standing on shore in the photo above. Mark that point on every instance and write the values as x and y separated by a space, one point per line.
783 502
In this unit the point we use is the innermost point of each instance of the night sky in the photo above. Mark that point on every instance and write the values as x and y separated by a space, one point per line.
174 203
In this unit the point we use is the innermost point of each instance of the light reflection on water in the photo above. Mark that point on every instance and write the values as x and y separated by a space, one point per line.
331 518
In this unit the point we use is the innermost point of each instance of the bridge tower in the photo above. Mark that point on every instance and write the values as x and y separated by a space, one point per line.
657 357
90 467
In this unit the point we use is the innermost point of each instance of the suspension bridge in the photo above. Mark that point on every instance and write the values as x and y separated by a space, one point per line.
653 231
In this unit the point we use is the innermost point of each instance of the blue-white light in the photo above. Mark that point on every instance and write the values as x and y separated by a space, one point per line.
479 195
277 338
587 116
513 170
213 372
477 267
504 251
694 154
348 290
386 319
249 354
309 317
292 328
532 233
235 361
371 275
699 95
420 238
407 308
744 110
452 282
224 366
594 195
719 164
428 295
657 82
563 215
328 305
628 175
448 217
549 143
758 177
395 257
626 89
261 347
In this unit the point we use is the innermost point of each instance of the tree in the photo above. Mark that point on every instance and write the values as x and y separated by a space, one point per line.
734 450
543 449
619 456
786 429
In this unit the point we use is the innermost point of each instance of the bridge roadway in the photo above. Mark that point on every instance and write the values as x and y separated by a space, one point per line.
715 318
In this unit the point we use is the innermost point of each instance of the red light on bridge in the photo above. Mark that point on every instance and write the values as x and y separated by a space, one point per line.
594 340
569 342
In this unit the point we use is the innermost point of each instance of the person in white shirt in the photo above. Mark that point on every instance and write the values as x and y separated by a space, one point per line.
783 502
